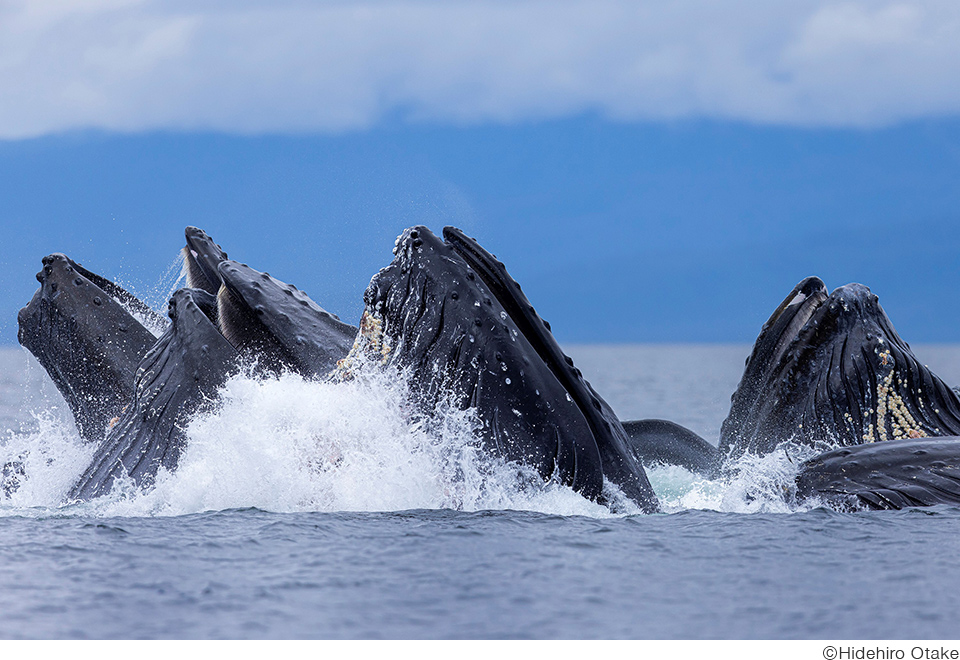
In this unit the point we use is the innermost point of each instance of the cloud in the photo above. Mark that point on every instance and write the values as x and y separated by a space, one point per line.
245 67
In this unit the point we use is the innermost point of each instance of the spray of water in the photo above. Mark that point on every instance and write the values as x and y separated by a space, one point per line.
173 278
40 466
748 484
286 444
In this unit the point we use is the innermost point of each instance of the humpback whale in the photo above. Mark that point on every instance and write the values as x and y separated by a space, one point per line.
448 315
134 393
827 371
79 326
182 372
277 324
885 475
831 370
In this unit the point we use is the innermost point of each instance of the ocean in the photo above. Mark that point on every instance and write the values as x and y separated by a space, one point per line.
310 510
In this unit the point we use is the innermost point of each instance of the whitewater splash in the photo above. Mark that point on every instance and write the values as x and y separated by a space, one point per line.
287 444
749 484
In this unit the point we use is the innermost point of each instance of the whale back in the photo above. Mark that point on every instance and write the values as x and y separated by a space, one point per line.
889 475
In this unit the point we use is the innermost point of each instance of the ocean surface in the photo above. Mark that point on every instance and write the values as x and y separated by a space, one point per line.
306 510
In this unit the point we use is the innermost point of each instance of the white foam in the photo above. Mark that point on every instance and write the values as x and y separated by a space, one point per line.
748 484
286 444
42 465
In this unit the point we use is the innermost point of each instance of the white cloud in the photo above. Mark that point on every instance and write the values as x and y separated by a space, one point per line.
293 66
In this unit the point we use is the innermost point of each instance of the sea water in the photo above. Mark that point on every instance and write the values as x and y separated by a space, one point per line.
316 510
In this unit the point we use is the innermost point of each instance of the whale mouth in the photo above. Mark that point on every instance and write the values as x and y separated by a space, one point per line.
201 260
803 307
240 319
69 293
784 327
60 271
278 325
537 331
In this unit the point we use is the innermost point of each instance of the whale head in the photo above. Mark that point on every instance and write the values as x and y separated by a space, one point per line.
277 324
176 379
80 327
833 371
448 316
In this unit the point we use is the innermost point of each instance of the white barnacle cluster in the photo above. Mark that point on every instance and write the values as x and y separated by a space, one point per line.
370 341
891 410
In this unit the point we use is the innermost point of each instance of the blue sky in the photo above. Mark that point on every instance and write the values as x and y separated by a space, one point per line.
648 173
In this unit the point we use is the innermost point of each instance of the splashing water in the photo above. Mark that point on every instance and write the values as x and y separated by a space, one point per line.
39 467
287 444
293 445
156 297
749 484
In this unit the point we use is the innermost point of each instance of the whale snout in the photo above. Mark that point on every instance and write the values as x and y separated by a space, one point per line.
57 271
856 297
414 238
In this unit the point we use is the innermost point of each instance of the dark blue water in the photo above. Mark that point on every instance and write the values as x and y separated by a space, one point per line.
245 542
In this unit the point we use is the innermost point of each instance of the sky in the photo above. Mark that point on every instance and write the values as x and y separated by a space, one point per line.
649 172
